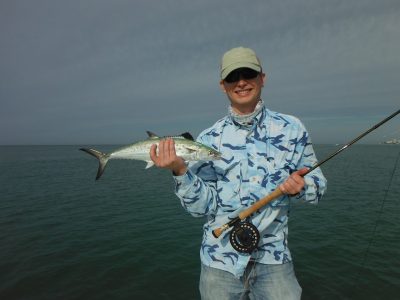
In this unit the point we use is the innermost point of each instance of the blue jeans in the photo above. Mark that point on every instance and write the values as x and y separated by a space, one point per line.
260 281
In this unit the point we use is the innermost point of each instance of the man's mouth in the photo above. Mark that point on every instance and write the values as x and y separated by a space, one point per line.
243 92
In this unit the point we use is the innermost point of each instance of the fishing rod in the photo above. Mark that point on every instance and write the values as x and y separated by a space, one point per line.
245 236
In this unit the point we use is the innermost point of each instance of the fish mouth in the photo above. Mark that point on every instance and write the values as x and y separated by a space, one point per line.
217 156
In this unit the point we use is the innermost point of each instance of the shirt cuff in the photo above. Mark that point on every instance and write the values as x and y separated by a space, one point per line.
311 190
185 179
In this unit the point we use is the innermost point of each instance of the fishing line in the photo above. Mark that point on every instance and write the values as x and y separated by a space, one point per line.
251 273
380 212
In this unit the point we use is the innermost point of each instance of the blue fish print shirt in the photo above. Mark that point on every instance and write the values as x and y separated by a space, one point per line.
255 161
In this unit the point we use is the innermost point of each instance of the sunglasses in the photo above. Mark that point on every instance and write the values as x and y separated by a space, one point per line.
245 73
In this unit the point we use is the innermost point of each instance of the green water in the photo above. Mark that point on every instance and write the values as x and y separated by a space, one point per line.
65 236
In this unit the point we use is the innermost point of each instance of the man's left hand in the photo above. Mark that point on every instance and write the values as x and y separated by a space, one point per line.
295 183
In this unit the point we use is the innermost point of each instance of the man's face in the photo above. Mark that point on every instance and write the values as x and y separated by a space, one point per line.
243 93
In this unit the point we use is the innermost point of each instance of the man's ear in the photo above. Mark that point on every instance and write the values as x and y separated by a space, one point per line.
264 78
222 86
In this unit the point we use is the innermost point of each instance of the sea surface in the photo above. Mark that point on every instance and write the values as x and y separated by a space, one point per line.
64 235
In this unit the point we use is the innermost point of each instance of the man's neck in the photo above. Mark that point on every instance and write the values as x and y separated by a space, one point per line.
244 110
246 119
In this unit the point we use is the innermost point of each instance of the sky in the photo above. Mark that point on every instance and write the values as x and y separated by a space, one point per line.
88 72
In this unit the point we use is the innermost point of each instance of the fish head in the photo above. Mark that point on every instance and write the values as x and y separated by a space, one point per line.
208 153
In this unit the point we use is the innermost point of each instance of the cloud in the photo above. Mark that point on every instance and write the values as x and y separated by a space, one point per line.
84 70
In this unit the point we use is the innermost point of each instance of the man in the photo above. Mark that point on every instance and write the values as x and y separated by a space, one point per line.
261 151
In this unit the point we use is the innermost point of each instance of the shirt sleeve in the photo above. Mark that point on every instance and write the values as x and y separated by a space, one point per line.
315 182
196 189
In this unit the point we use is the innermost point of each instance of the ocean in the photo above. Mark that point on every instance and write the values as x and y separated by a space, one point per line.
126 236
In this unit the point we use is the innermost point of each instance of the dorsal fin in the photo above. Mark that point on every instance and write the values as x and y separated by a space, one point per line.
152 135
185 135
188 136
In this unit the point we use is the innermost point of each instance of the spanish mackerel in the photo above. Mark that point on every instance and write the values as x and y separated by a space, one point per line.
185 146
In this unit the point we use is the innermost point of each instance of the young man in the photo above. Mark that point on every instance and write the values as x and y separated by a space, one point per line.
261 151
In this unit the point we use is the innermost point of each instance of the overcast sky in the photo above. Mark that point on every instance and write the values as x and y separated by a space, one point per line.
100 71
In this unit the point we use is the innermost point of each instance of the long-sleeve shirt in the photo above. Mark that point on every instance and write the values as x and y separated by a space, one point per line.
256 159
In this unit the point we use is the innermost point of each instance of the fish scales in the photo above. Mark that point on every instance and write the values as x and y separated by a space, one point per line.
185 147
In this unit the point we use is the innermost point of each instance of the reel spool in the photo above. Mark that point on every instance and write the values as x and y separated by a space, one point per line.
244 237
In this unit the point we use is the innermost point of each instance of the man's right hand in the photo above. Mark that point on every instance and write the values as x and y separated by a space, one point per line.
167 158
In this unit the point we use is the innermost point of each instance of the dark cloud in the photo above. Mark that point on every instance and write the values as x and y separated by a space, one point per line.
104 72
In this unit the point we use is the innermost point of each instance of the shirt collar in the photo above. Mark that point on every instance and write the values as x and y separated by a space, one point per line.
248 121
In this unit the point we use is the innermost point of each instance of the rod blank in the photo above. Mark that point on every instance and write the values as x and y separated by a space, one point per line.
277 193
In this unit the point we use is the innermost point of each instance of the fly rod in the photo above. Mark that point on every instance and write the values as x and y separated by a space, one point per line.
277 193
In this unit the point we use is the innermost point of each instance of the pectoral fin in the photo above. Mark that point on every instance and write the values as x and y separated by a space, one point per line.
149 164
191 150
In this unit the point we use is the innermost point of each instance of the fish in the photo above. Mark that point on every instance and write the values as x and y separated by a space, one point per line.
185 146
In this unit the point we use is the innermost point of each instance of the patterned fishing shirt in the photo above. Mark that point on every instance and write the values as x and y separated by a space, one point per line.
256 159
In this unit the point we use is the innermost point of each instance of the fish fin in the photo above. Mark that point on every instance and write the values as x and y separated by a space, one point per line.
191 150
102 158
187 136
152 135
149 164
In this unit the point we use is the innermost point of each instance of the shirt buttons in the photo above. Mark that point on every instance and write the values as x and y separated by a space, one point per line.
255 179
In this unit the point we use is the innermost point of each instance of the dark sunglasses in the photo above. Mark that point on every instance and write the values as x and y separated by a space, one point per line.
245 73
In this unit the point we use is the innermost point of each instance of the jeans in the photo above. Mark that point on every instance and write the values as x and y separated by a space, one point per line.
260 281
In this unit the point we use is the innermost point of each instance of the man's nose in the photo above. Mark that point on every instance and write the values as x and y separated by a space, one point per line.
242 81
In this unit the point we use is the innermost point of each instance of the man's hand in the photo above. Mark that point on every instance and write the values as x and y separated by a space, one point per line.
167 158
295 183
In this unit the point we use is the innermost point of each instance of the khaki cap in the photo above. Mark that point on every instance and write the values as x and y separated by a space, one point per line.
239 57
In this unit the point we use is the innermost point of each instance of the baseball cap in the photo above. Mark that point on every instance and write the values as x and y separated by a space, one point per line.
239 57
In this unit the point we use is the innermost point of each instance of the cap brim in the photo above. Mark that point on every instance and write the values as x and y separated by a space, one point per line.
232 67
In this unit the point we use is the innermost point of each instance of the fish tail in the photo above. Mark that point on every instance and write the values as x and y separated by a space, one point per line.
102 158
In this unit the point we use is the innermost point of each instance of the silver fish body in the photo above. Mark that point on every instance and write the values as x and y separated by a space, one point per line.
185 147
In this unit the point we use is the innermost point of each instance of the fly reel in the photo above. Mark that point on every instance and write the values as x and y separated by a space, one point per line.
244 237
